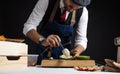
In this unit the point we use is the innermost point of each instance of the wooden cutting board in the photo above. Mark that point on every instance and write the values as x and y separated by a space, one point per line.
67 63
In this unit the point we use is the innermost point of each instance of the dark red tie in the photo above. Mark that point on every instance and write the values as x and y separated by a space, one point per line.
63 15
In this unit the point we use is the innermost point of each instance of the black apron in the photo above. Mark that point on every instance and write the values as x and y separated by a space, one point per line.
65 32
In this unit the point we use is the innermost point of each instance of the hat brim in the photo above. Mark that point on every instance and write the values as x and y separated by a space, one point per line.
82 2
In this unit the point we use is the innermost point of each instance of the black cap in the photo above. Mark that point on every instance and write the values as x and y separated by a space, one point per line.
82 2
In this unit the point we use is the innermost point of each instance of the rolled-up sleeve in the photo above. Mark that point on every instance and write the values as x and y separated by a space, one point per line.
36 16
81 30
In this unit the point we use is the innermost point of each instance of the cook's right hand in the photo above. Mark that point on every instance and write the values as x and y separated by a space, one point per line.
52 41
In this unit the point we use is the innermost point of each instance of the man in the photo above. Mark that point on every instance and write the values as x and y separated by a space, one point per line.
71 31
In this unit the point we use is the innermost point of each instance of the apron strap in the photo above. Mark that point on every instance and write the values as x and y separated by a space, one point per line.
72 22
71 19
54 11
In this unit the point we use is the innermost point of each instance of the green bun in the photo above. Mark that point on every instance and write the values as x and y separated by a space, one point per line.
65 58
83 57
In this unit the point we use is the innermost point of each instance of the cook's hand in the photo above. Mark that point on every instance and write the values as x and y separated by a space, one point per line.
52 41
77 51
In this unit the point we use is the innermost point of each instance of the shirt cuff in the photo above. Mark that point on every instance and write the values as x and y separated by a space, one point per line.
82 43
28 28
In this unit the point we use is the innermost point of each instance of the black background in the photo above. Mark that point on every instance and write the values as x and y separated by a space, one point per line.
103 25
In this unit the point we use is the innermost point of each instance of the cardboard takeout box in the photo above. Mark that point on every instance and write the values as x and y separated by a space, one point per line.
13 55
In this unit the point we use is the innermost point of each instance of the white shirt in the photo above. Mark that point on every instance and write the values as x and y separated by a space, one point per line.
39 11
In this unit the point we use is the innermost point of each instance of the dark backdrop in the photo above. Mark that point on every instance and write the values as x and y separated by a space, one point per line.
1 18
103 25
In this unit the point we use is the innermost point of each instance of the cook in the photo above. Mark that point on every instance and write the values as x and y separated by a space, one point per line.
47 27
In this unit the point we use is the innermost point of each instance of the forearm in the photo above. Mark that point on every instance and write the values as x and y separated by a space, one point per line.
33 35
51 40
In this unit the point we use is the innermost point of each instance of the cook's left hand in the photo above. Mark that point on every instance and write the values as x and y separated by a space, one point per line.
77 50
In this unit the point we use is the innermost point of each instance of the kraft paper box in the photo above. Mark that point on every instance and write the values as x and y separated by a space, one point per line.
13 55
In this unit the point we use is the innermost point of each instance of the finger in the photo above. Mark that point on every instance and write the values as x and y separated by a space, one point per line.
73 52
56 39
77 54
116 64
52 41
49 41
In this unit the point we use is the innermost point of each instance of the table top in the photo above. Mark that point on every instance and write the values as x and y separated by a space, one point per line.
40 70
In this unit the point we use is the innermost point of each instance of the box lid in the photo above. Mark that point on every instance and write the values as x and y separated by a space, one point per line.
13 48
